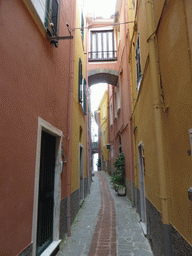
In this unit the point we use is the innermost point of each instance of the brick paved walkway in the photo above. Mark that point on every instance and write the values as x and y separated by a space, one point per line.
104 239
99 230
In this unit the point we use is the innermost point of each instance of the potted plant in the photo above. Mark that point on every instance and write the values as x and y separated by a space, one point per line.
117 178
99 164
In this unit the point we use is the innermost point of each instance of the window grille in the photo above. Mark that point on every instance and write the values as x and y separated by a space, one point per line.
102 46
138 63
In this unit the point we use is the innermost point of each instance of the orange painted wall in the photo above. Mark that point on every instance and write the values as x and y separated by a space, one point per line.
34 79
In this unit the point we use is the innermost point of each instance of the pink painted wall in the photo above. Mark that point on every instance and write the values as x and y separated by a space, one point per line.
34 81
103 65
122 123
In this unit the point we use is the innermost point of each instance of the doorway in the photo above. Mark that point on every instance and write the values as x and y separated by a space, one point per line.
47 192
81 176
143 221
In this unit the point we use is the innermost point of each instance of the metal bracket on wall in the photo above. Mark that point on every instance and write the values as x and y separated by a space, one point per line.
54 39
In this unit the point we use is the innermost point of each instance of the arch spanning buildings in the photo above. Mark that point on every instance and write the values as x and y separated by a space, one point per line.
103 75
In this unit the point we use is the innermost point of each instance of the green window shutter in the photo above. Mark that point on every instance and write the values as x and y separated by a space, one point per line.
47 13
84 95
80 81
54 16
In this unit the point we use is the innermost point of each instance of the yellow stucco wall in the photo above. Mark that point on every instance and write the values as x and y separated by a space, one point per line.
174 39
78 115
176 73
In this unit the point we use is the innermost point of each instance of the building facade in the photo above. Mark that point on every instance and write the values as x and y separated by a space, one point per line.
80 162
160 77
149 115
120 122
40 67
103 124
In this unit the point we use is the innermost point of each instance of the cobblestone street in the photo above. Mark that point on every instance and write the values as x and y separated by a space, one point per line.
106 224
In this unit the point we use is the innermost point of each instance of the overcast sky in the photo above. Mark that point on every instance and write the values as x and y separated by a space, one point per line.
104 8
97 92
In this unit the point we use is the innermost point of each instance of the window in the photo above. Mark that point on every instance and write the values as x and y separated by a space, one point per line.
104 138
117 100
80 82
82 87
104 110
102 46
111 114
48 11
138 63
84 95
46 14
82 25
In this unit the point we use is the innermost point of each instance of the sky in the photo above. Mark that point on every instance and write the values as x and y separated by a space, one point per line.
104 8
97 92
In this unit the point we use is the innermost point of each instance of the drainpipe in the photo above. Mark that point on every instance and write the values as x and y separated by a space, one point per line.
109 135
158 107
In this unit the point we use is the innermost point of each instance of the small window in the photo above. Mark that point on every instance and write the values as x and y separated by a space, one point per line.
82 25
80 92
111 114
117 100
138 63
84 95
82 88
104 110
104 138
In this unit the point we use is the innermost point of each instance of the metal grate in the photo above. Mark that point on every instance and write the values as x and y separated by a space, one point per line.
103 56
46 192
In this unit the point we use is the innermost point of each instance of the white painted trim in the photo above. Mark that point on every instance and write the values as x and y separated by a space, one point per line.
35 14
45 126
142 189
144 227
51 248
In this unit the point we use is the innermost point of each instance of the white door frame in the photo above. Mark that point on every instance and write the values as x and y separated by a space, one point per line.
45 126
143 221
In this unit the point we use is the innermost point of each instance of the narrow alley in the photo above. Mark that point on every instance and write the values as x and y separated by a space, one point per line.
106 224
96 127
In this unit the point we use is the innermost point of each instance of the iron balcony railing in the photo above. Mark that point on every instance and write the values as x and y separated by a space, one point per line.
103 56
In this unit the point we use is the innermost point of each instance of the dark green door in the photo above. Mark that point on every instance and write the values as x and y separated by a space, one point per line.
46 192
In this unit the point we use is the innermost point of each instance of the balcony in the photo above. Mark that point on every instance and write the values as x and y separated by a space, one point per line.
99 56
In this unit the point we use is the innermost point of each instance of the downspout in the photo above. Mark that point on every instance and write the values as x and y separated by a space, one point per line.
70 115
158 114
108 126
